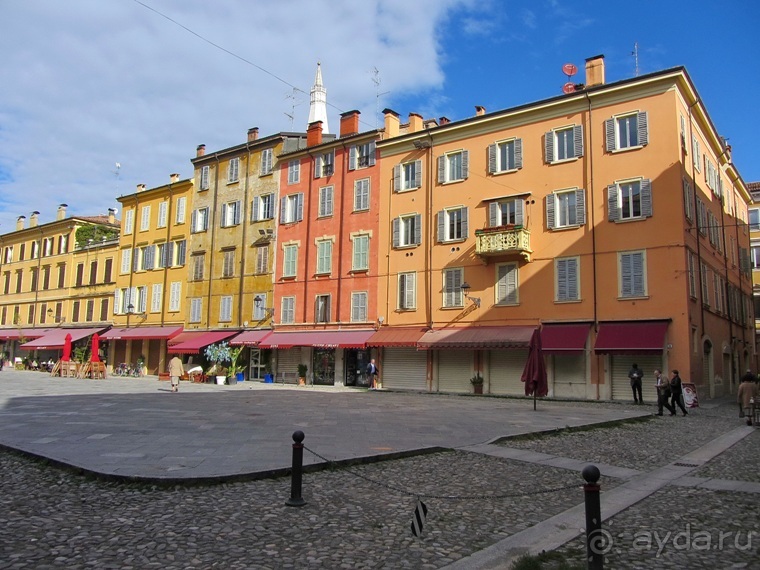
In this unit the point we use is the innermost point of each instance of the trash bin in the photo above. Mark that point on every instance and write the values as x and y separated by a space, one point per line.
268 379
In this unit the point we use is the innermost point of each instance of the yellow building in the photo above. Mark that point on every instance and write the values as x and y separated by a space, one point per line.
57 277
754 232
151 274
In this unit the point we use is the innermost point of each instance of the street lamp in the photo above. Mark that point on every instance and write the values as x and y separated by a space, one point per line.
466 289
268 312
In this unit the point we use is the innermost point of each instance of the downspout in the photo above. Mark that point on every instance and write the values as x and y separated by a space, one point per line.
212 225
430 240
38 279
244 221
167 265
132 266
307 245
344 174
725 271
593 225
698 269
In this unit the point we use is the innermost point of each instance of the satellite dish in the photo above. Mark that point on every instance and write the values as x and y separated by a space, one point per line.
569 69
568 87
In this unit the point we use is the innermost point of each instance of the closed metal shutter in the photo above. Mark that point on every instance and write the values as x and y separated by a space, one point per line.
455 370
569 375
621 384
505 369
287 365
404 368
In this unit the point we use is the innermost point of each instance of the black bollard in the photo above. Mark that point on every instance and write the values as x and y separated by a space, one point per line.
295 499
597 541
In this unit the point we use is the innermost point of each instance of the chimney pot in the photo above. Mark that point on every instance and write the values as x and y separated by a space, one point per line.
61 214
201 150
479 111
33 219
111 216
253 134
141 187
20 222
349 123
314 133
174 178
392 123
415 122
443 121
595 70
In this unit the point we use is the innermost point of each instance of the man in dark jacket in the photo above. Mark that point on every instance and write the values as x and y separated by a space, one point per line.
677 393
635 375
663 393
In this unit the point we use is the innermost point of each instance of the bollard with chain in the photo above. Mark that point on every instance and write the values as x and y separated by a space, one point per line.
295 499
597 543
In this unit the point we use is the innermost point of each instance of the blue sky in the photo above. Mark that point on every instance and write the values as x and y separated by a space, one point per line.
87 84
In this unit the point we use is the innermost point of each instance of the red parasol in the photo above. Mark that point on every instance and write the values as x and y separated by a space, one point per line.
534 374
95 357
66 348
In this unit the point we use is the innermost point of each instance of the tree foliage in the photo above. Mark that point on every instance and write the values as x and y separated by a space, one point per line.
93 233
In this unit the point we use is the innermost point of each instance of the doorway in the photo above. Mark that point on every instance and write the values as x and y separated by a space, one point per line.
356 361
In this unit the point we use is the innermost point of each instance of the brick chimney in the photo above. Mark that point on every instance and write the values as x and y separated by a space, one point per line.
173 178
349 123
479 111
253 134
34 219
201 150
20 222
443 121
415 122
314 133
392 123
141 187
595 71
111 216
61 213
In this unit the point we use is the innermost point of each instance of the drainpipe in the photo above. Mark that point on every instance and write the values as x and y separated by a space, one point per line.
590 159
38 279
307 244
132 267
344 173
696 216
167 266
244 222
212 225
430 236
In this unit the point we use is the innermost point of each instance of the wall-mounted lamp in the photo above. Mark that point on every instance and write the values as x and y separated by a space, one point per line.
419 144
380 321
268 311
56 318
131 311
466 289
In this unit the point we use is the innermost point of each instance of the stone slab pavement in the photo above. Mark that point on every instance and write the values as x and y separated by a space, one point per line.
136 428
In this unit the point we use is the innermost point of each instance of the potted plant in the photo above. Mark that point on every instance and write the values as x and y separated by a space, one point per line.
218 354
477 383
141 364
236 370
302 369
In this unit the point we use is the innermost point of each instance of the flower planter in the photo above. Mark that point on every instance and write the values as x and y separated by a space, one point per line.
240 377
477 388
220 380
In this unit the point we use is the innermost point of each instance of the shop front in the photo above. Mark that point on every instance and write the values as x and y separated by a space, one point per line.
146 343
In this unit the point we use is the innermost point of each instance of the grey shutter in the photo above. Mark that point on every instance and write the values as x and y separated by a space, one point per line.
492 159
318 166
465 163
169 253
352 157
418 174
646 198
493 215
418 229
519 212
626 274
283 209
448 289
238 209
518 153
372 153
465 223
643 126
396 231
442 226
402 292
562 265
550 221
580 207
578 140
224 216
255 209
397 178
549 147
572 278
609 134
613 210
441 169
512 284
193 220
637 270
299 206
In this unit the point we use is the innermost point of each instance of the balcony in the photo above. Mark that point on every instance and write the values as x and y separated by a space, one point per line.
503 241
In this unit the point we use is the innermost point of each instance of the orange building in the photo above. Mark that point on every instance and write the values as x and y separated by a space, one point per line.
612 217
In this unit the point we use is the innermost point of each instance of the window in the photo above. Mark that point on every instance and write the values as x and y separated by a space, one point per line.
145 218
262 259
262 207
359 307
505 212
718 288
199 220
104 309
629 200
8 257
89 310
47 247
196 307
6 282
34 279
323 164
126 261
164 255
325 201
506 284
407 176
755 256
63 243
163 208
21 252
199 261
453 166
142 299
231 214
46 275
565 209
567 279
407 230
93 272
204 185
148 256
107 272
705 285
233 170
505 156
626 131
228 264
155 298
688 200
62 275
361 195
291 208
260 308
452 287
180 252
407 291
632 274
324 256
19 280
754 219
452 224
35 250
695 154
175 295
30 315
129 222
288 311
290 260
80 275
267 159
563 144
701 217
692 275
360 258
322 309
361 155
225 309
179 217
75 312
294 171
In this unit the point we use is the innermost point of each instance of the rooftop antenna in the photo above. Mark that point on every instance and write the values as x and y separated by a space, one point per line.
570 69
376 80
294 102
635 54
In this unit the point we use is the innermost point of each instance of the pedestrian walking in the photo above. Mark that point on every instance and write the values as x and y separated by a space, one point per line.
676 391
635 374
175 372
746 396
372 372
663 393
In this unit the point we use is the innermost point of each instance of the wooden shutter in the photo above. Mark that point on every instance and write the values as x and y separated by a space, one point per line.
117 301
352 153
283 210
642 121
646 198
580 207
578 140
299 206
465 163
626 274
519 209
372 152
613 209
465 223
494 214
550 218
518 153
397 178
417 173
255 205
452 287
507 284
418 229
441 169
492 165
442 226
318 161
396 231
609 134
204 177
637 269
549 147
562 280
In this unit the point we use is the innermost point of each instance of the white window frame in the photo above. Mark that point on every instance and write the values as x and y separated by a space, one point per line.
179 217
360 253
145 218
156 295
225 309
361 155
288 310
129 222
506 212
289 260
294 171
163 209
448 172
175 296
615 142
407 176
204 178
324 164
231 212
567 279
453 297
361 194
507 285
641 197
291 208
453 224
407 291
199 220
552 149
233 170
196 309
402 236
262 207
554 214
359 306
326 201
627 286
322 308
324 256
267 160
505 156
753 213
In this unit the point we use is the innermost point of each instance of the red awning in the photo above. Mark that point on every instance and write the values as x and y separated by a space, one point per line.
250 338
319 339
56 338
193 342
646 337
396 336
568 338
138 333
15 334
477 337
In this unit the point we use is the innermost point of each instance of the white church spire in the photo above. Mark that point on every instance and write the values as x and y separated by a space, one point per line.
318 104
